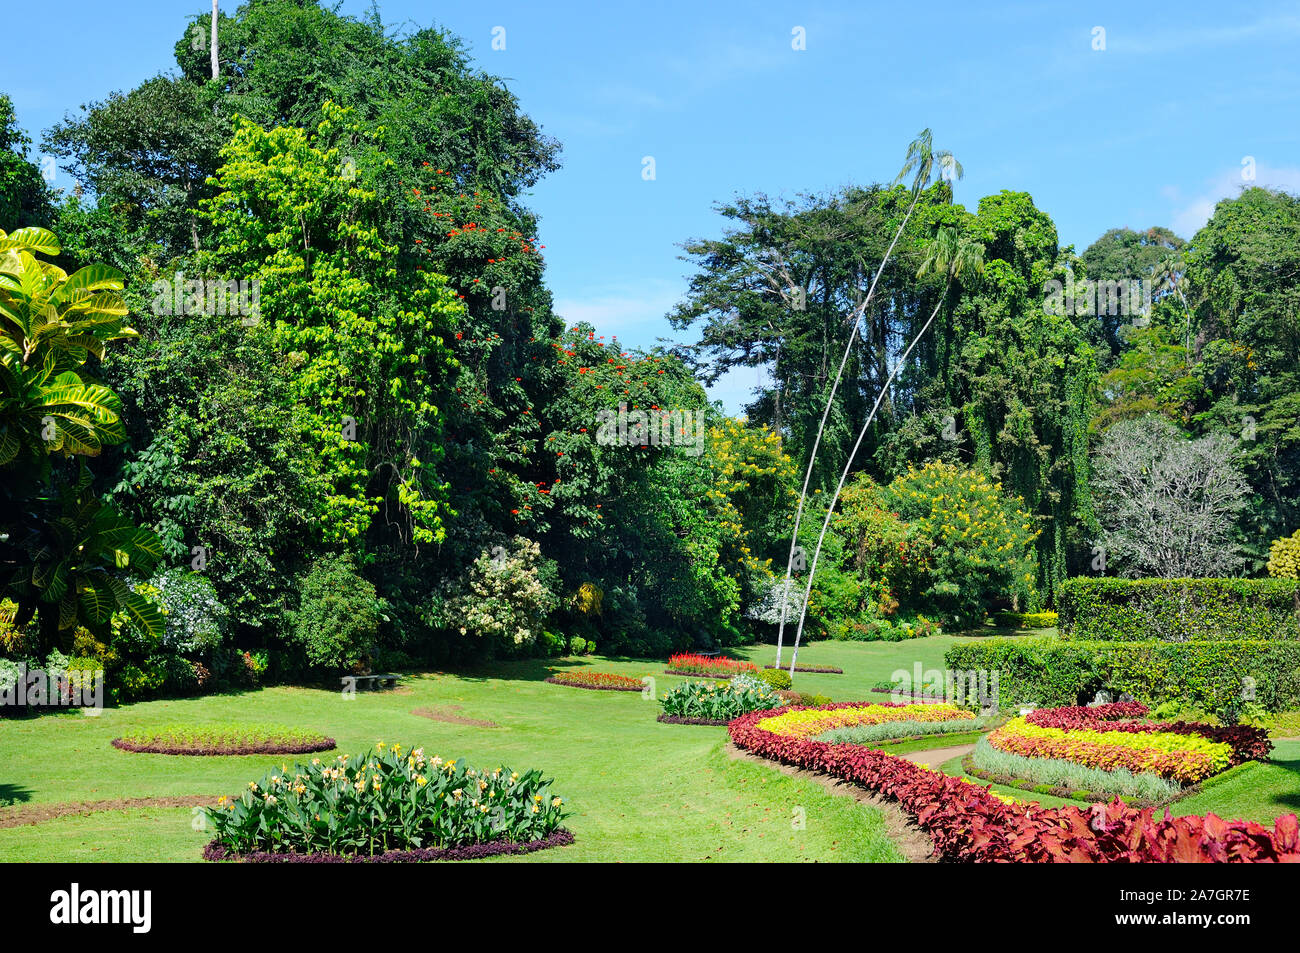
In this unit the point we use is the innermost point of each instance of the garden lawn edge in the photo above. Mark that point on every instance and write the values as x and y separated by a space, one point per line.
967 822
559 838
324 744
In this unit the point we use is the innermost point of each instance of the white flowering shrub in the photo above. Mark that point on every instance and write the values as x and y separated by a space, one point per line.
195 619
502 596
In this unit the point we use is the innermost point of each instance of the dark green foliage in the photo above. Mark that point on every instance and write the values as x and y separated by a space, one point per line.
338 619
24 196
1180 610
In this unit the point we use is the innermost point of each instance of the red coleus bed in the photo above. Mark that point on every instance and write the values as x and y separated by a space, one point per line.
712 666
967 822
607 681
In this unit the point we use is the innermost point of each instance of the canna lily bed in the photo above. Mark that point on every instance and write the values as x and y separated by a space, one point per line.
967 822
391 804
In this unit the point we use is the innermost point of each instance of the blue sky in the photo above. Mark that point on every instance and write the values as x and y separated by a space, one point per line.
1151 130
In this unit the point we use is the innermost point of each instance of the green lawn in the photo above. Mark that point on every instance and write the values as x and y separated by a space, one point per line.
640 790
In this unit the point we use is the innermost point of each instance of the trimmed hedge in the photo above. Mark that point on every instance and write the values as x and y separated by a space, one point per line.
1025 620
1209 675
1179 610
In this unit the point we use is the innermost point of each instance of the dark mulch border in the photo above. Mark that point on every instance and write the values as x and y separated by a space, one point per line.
597 688
829 670
683 720
325 744
1070 794
216 853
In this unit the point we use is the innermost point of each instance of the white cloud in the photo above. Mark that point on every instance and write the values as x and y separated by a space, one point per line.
632 313
1192 212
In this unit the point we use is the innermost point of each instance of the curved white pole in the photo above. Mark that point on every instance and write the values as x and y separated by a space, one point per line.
830 510
812 457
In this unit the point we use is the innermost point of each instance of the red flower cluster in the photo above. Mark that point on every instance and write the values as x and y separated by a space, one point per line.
709 666
967 822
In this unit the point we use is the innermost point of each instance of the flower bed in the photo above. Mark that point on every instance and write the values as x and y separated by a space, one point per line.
600 681
560 838
814 669
892 732
709 666
385 804
1069 779
968 822
223 740
711 703
806 722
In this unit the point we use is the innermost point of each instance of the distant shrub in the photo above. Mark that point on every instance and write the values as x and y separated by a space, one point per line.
776 679
1025 620
1284 557
338 617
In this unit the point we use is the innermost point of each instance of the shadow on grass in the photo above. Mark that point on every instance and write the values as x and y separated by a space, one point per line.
14 794
539 669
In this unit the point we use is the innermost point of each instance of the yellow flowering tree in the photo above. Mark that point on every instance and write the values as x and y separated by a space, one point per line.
978 538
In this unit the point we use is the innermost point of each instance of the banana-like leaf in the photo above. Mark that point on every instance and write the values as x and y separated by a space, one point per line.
93 278
97 603
34 239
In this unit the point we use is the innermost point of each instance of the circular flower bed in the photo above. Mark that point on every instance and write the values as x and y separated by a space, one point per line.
599 681
223 740
388 804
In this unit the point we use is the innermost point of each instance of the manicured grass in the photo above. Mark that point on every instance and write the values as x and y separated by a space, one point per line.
641 790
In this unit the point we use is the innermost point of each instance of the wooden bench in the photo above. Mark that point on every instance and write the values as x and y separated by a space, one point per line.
381 680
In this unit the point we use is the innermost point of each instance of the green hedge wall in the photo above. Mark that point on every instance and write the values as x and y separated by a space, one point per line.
1208 675
1179 610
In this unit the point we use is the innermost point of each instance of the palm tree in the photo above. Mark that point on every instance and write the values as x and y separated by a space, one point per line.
920 162
956 256
1165 277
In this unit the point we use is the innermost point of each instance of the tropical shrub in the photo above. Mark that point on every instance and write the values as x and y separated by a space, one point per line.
503 598
598 680
716 702
1179 610
1284 557
967 822
711 666
338 617
222 739
195 621
387 799
775 678
980 538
